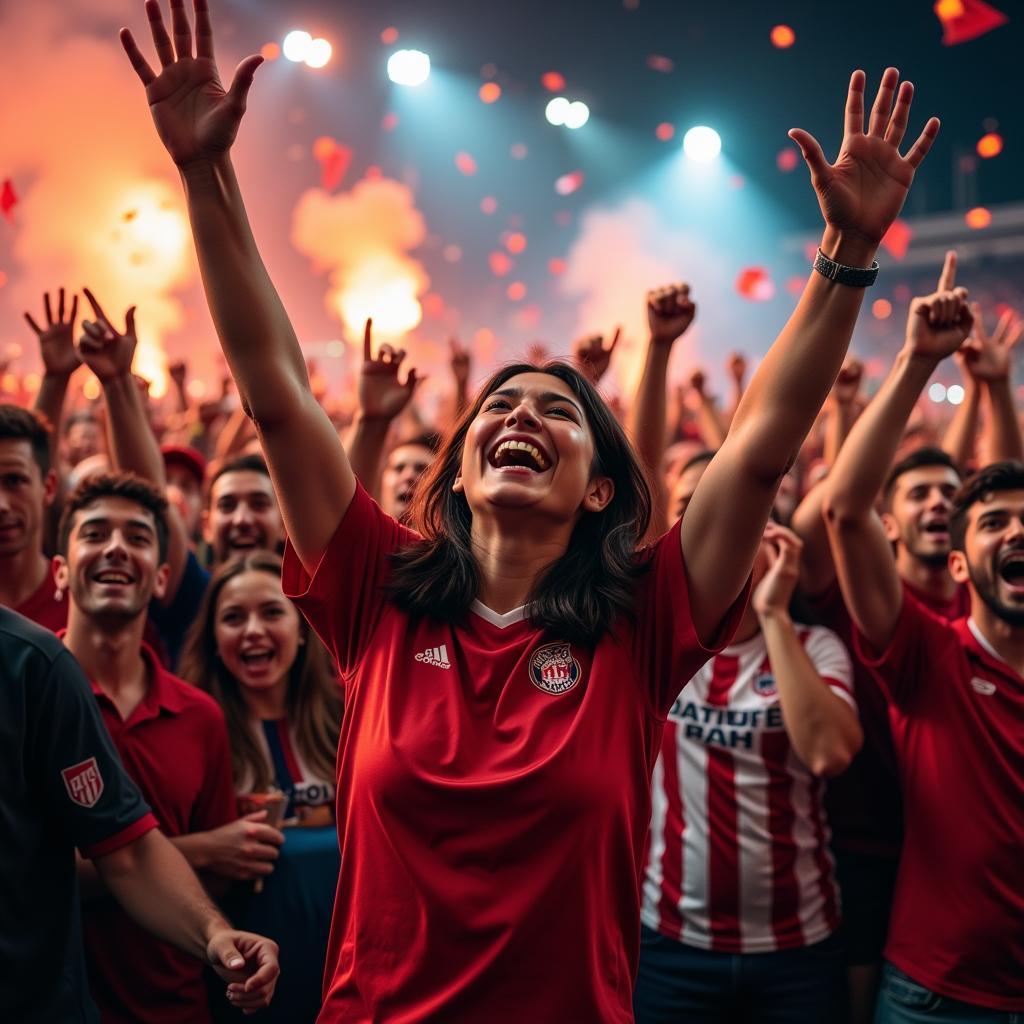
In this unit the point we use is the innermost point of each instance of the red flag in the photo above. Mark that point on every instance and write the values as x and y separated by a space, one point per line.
8 199
963 20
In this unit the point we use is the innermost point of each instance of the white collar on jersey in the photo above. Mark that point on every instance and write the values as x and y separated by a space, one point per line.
501 620
979 636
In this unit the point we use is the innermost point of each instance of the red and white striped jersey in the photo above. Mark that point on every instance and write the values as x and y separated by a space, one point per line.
738 857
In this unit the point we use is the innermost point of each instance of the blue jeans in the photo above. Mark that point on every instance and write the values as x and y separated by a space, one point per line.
678 984
901 1000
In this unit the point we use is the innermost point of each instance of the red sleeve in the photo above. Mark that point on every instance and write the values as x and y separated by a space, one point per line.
344 597
666 643
217 804
921 644
137 828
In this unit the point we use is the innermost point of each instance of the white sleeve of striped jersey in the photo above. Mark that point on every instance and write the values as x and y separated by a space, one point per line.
832 662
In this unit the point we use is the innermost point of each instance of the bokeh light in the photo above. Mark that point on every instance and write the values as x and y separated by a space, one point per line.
557 110
389 36
881 309
516 291
552 81
490 92
937 392
665 131
782 37
515 242
954 394
270 51
978 218
577 115
409 67
296 46
702 144
990 145
318 53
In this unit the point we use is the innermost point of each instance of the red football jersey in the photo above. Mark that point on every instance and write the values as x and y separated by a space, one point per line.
493 793
957 922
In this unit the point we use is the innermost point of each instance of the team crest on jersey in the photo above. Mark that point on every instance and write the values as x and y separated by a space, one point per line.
764 685
553 668
83 782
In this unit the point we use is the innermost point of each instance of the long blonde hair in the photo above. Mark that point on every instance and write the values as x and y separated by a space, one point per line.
313 699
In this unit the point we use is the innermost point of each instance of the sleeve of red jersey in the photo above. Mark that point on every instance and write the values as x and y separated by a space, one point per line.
344 597
831 660
217 804
922 643
668 651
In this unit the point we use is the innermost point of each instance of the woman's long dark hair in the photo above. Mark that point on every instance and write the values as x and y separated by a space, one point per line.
579 597
314 697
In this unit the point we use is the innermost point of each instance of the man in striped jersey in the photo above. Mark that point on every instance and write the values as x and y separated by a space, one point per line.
739 899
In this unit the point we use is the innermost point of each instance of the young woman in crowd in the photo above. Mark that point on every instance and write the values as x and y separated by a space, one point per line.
252 651
740 904
507 670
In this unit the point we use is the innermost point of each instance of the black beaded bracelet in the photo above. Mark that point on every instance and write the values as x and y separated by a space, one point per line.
854 277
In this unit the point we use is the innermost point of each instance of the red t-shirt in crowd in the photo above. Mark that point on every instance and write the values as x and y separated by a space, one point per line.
864 805
174 746
957 923
493 793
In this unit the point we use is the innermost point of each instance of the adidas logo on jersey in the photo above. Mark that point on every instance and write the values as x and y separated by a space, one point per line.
436 656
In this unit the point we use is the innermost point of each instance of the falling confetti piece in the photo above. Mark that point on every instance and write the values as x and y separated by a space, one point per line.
488 204
754 284
658 63
897 239
389 35
990 145
8 199
465 163
515 242
963 20
782 37
569 183
500 263
490 92
334 160
516 291
881 309
978 218
552 81
665 131
557 267
787 160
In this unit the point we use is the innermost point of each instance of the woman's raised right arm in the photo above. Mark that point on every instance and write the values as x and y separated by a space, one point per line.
197 120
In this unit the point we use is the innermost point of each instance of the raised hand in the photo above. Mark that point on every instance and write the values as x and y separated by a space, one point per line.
177 371
847 385
670 312
195 117
381 395
861 194
698 383
461 363
990 357
592 356
940 323
776 588
57 338
736 367
107 351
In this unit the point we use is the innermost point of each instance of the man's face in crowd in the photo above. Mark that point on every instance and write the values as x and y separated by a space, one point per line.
84 438
24 496
404 466
918 517
242 516
993 559
682 491
185 493
112 568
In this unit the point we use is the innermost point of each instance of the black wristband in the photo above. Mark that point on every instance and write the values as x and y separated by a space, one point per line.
854 277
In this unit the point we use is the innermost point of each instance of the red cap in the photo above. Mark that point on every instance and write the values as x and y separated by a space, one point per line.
183 455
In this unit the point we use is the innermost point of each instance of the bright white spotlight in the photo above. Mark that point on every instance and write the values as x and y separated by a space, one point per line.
702 144
408 67
557 110
577 115
296 46
937 392
318 53
954 394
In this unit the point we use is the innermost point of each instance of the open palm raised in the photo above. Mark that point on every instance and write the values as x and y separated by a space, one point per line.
864 190
194 115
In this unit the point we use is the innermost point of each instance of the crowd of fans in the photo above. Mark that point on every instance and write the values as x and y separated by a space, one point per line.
279 668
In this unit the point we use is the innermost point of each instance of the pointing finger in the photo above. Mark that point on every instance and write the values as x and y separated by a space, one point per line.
947 279
367 345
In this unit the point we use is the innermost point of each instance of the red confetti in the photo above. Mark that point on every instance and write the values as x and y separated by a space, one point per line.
665 131
754 284
515 242
658 63
557 267
569 183
897 239
516 291
963 20
465 163
389 123
488 204
334 160
787 160
500 263
552 81
8 199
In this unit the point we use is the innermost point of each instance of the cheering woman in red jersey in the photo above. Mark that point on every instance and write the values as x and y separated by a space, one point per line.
507 671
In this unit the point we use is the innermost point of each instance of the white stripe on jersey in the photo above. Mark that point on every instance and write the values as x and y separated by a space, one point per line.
787 894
